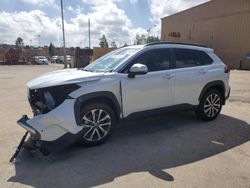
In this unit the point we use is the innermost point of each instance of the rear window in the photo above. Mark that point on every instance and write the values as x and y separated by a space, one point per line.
191 58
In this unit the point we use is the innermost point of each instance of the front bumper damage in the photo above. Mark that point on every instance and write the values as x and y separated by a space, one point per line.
32 140
19 147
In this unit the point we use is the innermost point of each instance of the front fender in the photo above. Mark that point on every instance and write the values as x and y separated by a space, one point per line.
96 95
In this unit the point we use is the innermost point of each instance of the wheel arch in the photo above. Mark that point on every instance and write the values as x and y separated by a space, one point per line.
106 97
218 85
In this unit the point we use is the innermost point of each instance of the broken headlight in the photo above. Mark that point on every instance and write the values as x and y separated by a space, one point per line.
46 99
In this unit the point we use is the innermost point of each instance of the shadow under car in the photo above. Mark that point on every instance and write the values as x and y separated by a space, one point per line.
150 144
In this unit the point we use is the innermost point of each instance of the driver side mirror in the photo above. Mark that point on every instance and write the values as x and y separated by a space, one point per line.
137 69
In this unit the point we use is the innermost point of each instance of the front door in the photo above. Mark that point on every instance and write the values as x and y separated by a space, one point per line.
152 90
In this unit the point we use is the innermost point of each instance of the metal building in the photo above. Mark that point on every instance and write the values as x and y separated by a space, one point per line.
223 25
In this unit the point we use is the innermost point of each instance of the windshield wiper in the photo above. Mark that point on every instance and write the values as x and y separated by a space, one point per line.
111 70
87 70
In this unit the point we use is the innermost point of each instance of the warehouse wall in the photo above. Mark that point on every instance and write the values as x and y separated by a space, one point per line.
220 24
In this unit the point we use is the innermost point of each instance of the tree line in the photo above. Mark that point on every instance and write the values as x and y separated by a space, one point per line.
103 42
139 39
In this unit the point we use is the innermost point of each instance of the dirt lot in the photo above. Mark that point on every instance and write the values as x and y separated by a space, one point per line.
174 150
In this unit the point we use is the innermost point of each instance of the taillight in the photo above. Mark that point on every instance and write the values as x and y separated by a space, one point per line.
227 69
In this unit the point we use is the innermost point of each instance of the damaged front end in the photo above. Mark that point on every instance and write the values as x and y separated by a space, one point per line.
24 143
53 108
34 140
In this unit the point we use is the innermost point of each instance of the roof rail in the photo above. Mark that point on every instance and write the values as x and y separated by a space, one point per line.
162 42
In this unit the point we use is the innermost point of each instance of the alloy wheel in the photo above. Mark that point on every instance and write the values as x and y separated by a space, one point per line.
212 105
97 124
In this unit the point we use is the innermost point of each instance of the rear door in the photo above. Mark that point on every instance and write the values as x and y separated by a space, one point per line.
192 70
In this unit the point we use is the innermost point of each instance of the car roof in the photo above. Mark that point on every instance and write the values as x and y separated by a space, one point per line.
179 45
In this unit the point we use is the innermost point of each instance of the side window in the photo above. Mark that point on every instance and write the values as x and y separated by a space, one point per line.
203 59
156 60
191 58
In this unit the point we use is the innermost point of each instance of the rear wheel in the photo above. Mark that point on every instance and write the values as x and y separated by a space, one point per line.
210 105
98 121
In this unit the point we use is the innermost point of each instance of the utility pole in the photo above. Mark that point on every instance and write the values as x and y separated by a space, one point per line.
89 34
64 51
39 40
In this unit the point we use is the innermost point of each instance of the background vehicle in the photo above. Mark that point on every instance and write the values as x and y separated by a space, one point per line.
53 59
41 60
60 59
85 104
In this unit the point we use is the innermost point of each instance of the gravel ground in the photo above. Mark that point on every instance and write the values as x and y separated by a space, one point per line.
172 150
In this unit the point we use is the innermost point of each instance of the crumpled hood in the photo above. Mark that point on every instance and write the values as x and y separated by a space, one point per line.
61 77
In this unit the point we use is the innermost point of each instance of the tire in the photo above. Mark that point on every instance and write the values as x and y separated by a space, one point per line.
210 105
98 121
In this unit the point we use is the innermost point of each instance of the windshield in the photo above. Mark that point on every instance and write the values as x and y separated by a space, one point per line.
112 60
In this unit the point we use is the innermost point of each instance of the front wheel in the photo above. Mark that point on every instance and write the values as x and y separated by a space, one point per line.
210 105
98 121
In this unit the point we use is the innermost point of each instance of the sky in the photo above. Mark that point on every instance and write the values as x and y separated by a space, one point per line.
119 20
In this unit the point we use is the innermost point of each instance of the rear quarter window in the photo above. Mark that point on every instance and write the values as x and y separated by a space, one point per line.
191 58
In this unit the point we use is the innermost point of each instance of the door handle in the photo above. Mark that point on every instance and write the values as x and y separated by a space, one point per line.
202 71
168 76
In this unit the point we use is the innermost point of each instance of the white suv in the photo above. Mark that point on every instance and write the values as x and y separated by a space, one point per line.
85 104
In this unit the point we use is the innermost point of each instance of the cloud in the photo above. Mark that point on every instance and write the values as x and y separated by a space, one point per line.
162 8
70 8
77 9
99 2
43 3
39 2
133 2
27 25
106 18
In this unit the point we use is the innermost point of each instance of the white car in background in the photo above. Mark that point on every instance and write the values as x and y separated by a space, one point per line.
41 60
54 58
60 59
